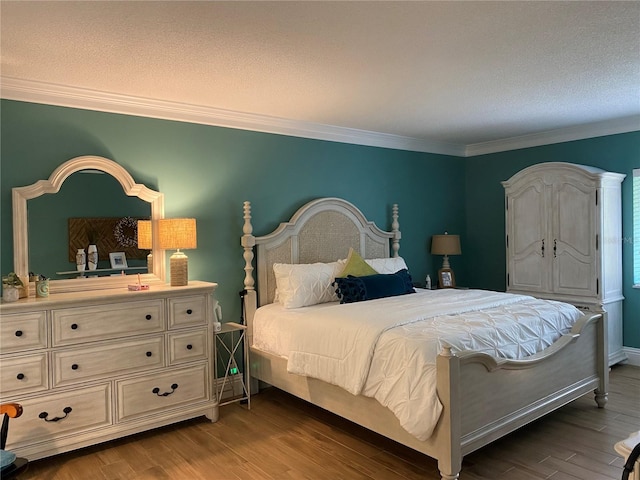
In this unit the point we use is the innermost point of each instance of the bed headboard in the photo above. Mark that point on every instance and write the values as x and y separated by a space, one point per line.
323 230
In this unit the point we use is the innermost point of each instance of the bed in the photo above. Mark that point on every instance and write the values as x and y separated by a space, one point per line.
481 397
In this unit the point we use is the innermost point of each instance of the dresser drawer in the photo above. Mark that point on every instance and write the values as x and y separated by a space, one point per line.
188 346
78 364
23 374
146 396
23 331
187 311
100 322
60 414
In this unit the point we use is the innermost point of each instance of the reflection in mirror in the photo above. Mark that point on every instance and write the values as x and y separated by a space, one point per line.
109 197
87 194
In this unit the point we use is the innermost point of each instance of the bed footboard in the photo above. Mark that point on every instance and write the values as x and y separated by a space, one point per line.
485 399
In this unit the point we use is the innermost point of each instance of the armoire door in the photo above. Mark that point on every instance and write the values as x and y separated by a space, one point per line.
528 249
575 269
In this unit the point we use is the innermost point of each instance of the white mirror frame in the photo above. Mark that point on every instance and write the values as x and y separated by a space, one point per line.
20 195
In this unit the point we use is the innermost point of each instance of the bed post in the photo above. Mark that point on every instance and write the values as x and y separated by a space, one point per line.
449 425
395 229
248 241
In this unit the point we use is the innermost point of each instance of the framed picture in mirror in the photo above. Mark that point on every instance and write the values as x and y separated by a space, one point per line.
118 260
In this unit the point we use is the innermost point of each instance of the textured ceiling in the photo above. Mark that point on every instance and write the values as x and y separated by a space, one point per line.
456 72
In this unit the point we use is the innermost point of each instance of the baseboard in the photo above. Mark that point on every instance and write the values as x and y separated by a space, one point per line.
633 356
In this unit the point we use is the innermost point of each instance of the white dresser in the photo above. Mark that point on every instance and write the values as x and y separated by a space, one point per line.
93 366
564 239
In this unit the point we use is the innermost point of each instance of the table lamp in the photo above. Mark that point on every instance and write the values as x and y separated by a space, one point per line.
177 233
145 241
445 245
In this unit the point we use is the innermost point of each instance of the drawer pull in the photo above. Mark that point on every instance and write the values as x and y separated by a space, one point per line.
156 390
189 312
20 376
189 347
18 333
44 415
74 366
74 326
149 354
148 316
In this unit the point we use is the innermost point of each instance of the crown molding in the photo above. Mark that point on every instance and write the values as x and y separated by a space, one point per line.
65 96
73 97
578 132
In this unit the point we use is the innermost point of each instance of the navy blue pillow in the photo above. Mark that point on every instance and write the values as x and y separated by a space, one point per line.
357 289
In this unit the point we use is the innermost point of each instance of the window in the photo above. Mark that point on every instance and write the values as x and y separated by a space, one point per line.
635 243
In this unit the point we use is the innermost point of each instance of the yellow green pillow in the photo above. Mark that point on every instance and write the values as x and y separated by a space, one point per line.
356 266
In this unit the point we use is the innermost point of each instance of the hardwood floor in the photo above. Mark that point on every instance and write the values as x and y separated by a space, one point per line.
283 438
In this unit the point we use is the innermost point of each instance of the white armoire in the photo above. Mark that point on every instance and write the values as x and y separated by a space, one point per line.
564 239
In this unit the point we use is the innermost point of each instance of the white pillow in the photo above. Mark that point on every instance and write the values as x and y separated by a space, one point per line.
304 284
387 265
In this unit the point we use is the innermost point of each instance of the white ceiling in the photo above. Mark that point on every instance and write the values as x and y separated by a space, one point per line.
452 77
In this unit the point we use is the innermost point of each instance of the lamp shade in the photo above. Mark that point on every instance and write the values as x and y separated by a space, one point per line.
177 233
145 241
445 245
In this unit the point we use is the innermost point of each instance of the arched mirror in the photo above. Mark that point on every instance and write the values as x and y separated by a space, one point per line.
96 194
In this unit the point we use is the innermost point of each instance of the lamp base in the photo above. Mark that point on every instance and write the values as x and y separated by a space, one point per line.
179 265
150 263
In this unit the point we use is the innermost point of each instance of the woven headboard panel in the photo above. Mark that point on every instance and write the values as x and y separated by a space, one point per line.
321 231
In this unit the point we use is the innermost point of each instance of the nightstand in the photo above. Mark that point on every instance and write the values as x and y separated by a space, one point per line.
234 384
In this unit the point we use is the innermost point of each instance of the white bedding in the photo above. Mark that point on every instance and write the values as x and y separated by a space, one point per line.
386 348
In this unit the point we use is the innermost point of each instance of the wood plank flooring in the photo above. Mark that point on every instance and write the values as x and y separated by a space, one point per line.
283 438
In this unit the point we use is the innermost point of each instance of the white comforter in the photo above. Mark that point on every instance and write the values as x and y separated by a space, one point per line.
386 348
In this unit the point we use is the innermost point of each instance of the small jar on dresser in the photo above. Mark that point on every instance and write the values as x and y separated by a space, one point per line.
93 366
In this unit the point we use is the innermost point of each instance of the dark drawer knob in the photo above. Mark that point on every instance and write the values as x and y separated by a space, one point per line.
45 415
189 347
148 316
18 333
74 326
20 376
74 366
149 354
189 312
156 390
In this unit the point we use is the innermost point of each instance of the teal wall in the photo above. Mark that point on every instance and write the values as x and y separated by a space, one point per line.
207 172
485 252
